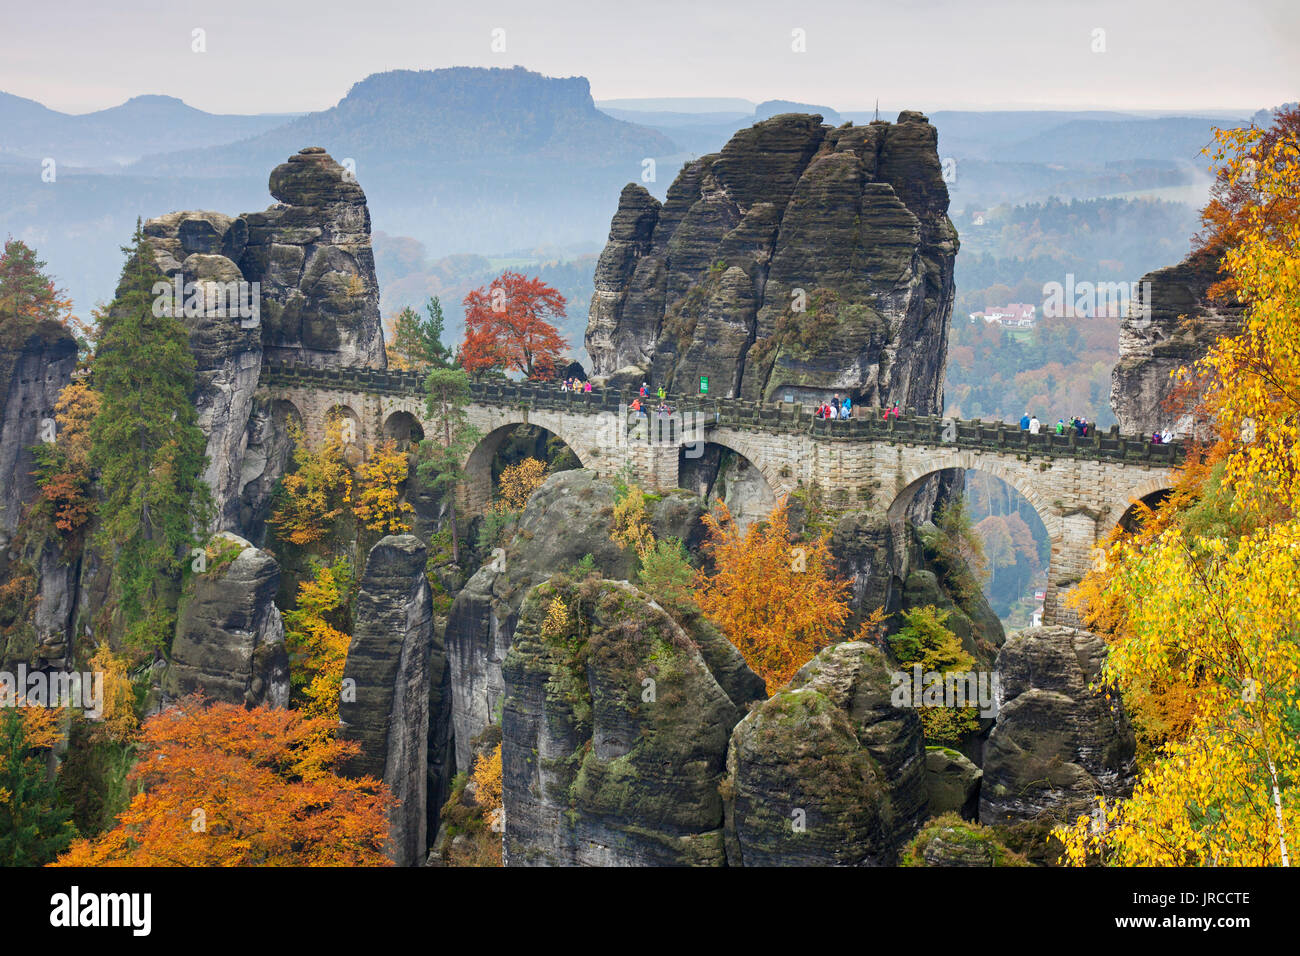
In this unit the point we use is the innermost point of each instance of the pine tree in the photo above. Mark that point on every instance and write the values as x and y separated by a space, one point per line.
148 449
34 826
417 342
453 438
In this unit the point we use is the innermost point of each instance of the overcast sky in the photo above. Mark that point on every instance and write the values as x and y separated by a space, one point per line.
301 55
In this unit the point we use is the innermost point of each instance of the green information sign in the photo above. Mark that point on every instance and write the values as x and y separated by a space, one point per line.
704 385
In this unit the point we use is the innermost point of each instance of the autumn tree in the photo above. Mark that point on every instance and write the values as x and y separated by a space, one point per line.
925 639
450 441
631 522
63 468
316 639
509 325
1240 198
223 785
517 484
777 600
28 296
415 342
379 505
1200 598
316 492
487 781
147 448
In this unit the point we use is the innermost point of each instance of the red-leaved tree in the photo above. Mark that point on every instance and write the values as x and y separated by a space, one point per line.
509 324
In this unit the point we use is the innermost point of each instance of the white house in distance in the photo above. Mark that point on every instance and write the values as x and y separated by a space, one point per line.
1017 315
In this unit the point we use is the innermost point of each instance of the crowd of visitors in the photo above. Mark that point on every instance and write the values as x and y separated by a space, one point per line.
1081 426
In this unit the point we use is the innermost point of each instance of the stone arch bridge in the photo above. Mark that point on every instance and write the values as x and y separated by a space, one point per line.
1080 487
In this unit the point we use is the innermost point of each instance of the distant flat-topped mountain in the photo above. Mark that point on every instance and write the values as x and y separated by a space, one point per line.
461 116
120 134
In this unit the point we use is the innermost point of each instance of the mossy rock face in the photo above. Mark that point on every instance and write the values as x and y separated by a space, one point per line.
614 733
949 840
953 782
827 772
229 641
567 518
1057 744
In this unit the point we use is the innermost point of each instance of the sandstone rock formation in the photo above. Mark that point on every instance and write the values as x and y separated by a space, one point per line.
614 733
1182 325
202 247
317 304
566 519
387 671
229 642
828 771
311 253
850 222
867 552
948 840
1056 745
952 782
33 371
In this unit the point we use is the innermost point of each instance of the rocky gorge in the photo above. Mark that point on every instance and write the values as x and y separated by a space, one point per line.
802 260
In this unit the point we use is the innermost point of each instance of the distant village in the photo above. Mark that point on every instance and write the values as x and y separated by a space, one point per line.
1017 315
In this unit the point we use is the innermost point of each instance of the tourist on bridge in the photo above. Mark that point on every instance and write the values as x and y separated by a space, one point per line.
1024 422
1166 436
586 386
846 409
835 405
893 412
645 390
1035 425
1060 426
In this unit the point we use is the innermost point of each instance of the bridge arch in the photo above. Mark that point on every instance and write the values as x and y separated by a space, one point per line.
1071 533
780 480
478 464
915 477
1121 509
717 470
403 426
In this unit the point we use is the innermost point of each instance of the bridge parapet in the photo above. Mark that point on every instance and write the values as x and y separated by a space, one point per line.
777 417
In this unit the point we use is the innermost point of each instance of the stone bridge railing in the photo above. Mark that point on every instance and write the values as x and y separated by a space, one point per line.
868 426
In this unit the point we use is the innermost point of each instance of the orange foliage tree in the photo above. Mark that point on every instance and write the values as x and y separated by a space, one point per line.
63 471
27 295
510 325
221 785
775 599
1237 204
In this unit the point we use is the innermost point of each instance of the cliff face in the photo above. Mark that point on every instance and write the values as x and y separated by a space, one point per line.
388 662
33 370
318 305
614 734
566 519
800 259
1182 325
229 642
32 373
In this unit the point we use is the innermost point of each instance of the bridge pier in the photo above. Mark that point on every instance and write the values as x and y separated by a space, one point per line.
1071 558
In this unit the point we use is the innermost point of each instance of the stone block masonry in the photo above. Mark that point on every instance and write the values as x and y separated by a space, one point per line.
1080 487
